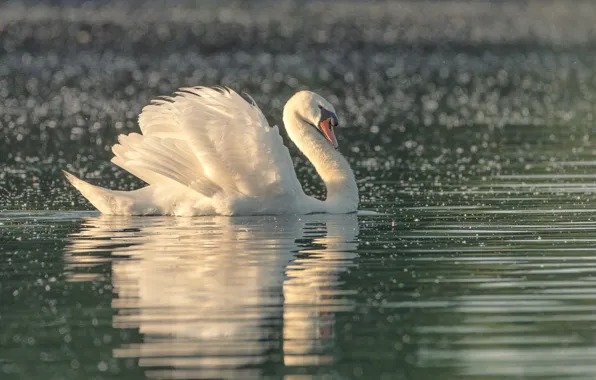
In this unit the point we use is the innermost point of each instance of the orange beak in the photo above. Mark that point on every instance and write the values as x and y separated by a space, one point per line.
327 130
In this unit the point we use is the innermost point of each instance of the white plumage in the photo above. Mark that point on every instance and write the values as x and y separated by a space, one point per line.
208 151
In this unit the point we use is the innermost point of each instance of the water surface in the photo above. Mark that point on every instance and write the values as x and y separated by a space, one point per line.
469 127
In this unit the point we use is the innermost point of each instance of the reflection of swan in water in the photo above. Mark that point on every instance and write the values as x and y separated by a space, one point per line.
217 294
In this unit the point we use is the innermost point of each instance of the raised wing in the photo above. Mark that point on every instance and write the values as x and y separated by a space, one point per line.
209 140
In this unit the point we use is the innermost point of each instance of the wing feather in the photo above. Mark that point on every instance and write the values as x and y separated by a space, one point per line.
161 160
210 140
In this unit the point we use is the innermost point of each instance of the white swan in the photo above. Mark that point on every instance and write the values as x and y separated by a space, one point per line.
207 151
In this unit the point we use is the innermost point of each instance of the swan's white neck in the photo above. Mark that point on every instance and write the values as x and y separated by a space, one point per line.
342 191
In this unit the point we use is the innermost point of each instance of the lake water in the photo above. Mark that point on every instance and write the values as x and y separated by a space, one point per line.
469 126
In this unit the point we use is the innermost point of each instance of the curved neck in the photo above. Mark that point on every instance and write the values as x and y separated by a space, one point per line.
342 191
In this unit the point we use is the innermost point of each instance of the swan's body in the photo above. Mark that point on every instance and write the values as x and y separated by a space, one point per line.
209 152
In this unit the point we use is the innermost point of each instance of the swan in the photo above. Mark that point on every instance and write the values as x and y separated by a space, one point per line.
208 151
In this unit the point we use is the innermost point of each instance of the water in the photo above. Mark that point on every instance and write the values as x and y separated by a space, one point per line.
469 127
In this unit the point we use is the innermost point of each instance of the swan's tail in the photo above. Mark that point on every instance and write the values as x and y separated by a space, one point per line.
106 201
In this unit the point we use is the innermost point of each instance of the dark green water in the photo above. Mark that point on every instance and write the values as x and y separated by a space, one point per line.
469 126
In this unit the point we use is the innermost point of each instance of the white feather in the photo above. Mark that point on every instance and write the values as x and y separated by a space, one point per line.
208 150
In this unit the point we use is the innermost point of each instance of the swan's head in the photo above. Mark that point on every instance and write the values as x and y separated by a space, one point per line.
317 112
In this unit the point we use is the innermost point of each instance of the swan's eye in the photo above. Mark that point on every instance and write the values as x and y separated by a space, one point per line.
333 122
